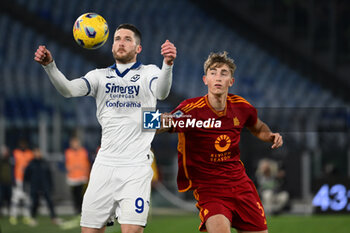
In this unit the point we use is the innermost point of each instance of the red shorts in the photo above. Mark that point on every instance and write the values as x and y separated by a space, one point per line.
240 204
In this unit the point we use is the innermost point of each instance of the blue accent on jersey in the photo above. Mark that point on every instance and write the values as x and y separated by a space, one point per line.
135 66
150 83
88 85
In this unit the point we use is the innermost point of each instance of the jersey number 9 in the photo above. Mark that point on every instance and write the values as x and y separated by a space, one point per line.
139 204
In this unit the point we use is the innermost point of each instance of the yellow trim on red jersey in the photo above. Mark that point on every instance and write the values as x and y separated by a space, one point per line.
237 99
202 211
218 113
181 148
199 104
196 195
241 163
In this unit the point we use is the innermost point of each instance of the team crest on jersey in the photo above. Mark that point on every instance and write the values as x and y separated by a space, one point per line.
135 78
236 121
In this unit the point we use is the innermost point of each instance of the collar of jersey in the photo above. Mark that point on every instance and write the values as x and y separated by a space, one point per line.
114 67
218 113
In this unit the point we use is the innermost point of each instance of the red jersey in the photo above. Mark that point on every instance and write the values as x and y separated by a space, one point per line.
208 147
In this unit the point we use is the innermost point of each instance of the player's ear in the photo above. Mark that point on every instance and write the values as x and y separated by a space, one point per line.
138 48
232 81
205 80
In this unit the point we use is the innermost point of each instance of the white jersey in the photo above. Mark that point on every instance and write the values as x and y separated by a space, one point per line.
120 98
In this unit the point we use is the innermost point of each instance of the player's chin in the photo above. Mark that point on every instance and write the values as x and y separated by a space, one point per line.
121 53
123 59
219 91
118 53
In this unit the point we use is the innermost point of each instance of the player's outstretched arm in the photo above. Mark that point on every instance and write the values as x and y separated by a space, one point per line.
263 132
163 84
67 88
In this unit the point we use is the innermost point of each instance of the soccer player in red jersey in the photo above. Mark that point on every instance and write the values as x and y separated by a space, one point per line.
209 129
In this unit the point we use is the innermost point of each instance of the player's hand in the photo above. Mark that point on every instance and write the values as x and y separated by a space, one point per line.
168 50
277 140
43 56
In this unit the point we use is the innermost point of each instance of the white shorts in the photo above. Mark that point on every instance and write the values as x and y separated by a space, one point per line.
19 195
123 192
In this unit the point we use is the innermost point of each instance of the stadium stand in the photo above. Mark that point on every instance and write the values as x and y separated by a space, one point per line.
285 97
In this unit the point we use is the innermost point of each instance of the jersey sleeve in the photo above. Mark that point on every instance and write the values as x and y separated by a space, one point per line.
153 73
91 80
67 88
252 116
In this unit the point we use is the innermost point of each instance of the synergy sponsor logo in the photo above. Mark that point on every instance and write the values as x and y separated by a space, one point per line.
117 91
119 104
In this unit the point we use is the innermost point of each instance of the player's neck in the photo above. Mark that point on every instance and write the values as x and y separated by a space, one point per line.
218 102
122 67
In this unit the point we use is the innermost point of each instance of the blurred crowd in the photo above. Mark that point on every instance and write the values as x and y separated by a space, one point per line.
270 178
26 178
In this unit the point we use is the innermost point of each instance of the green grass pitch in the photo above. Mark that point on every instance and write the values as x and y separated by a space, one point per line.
189 224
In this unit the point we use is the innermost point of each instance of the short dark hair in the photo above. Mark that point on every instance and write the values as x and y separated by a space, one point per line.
132 28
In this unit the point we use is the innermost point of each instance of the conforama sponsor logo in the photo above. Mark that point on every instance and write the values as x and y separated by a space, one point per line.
119 104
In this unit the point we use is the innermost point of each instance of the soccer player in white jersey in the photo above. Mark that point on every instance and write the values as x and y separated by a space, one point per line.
120 180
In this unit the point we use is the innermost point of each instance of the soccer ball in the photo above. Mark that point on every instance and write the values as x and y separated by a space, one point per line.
90 31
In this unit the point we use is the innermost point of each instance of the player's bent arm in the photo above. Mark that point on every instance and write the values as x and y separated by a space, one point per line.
263 132
67 88
163 130
161 87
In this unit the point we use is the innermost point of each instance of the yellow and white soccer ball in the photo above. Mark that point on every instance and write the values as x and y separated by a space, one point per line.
90 31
